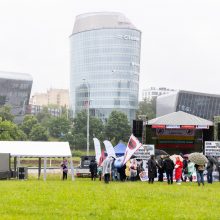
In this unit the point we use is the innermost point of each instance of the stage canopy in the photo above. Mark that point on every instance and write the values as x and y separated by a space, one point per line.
180 118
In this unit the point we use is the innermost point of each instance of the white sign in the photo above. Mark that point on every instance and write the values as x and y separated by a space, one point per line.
202 127
212 148
128 37
144 152
172 126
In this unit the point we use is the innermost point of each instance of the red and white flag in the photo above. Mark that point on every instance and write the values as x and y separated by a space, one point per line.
102 158
133 145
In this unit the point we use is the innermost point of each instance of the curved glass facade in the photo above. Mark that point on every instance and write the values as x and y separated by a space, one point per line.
105 64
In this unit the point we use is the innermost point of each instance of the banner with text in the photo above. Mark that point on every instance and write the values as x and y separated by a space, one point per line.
212 148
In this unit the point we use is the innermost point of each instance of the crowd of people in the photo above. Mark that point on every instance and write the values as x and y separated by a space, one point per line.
180 169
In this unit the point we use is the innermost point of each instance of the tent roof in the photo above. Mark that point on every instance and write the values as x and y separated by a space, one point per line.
120 148
35 149
180 118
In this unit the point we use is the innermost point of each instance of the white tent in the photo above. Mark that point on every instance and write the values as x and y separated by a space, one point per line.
180 118
38 149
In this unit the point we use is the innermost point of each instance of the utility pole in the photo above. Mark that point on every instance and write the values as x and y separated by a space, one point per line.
88 105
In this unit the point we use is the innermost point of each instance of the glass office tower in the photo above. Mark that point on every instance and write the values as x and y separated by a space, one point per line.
105 64
199 104
15 90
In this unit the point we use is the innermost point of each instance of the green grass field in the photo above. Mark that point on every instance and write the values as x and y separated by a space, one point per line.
84 199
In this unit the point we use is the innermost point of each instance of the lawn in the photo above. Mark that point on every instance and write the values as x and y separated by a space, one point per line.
84 199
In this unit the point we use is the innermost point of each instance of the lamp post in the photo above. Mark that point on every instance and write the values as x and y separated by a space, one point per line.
87 128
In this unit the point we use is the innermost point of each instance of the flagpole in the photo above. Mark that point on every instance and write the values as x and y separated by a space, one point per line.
88 105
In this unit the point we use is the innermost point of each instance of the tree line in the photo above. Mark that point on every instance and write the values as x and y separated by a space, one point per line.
45 127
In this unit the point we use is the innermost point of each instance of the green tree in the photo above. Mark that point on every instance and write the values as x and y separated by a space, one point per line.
44 116
28 123
5 113
38 133
78 141
59 126
117 127
80 129
147 108
11 132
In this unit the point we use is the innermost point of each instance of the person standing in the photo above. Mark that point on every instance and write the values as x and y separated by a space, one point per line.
160 169
107 168
209 170
191 170
127 170
185 170
64 167
178 170
199 173
99 171
168 166
133 169
93 169
152 169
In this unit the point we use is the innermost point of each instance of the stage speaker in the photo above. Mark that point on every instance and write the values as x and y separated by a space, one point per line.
137 128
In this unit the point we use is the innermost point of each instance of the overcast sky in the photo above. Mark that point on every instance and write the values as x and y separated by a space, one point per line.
180 40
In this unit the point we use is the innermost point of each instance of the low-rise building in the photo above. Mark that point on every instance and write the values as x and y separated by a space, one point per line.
150 93
57 97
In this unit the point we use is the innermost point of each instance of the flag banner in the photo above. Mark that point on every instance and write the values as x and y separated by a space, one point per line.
133 145
102 158
109 149
97 149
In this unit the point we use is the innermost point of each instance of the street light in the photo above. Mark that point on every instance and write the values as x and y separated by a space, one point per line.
88 99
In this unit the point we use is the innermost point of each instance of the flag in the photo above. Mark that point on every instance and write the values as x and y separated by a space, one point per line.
97 149
109 148
102 158
132 146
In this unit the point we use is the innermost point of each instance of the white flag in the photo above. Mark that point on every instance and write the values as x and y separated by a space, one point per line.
132 146
109 148
97 149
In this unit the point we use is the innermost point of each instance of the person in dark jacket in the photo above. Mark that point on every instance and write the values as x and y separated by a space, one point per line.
64 167
185 171
152 169
93 169
168 166
209 170
160 169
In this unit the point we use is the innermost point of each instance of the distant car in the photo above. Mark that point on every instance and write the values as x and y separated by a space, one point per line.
83 169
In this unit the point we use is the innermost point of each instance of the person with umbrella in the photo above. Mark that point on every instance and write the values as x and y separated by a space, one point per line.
200 160
199 173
